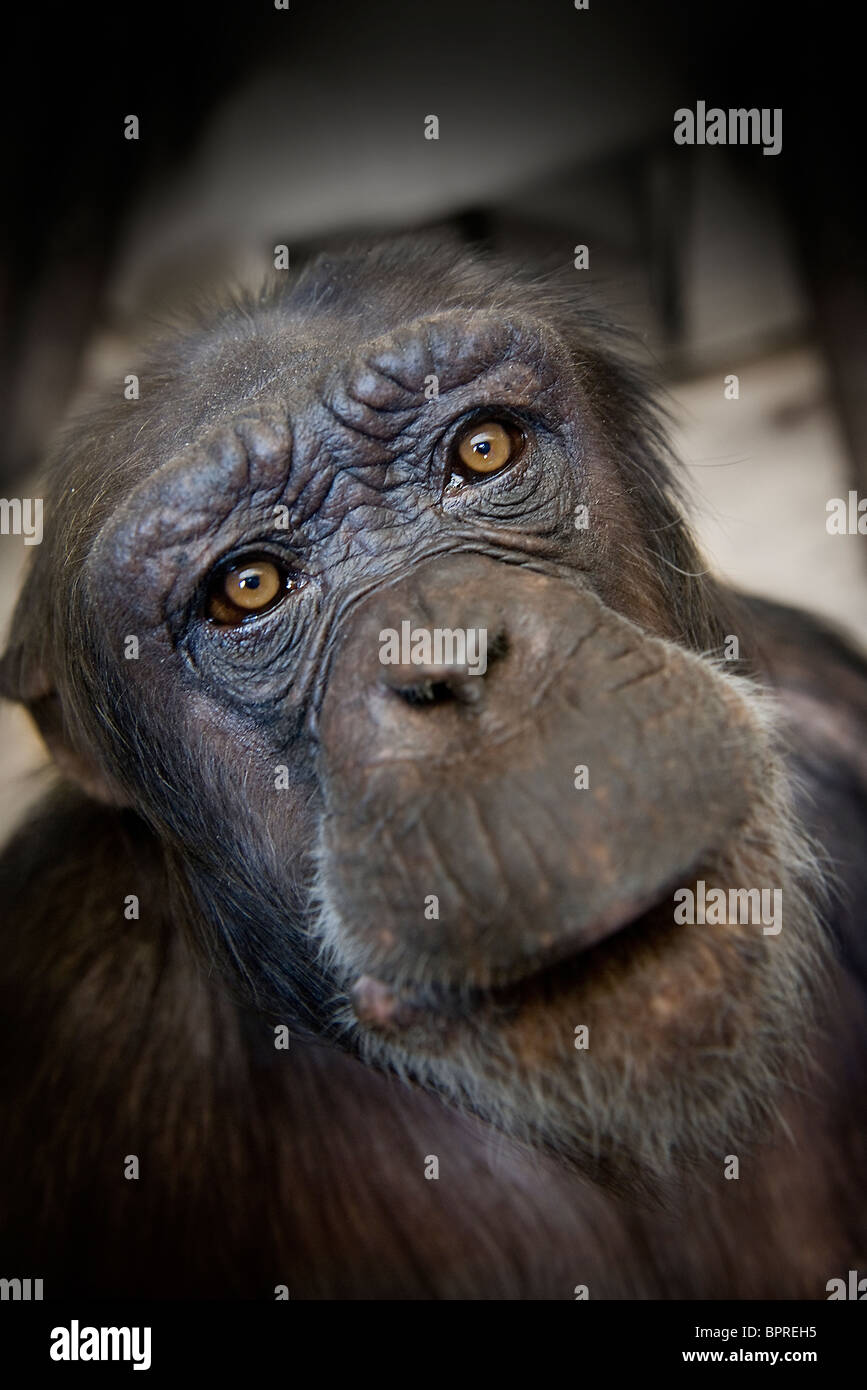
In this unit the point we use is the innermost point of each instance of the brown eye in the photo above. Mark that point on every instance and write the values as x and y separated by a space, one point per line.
244 589
486 447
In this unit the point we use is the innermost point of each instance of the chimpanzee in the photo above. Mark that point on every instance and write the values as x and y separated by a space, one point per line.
435 901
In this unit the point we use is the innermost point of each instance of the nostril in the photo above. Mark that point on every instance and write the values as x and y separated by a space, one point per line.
426 693
458 685
427 683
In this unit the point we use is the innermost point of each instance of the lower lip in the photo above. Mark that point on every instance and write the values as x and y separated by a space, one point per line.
382 1008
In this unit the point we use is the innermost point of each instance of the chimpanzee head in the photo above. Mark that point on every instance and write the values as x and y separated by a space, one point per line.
379 608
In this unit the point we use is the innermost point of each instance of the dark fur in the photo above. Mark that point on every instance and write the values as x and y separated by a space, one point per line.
261 1167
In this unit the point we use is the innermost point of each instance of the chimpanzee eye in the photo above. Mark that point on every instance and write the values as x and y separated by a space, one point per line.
485 447
245 588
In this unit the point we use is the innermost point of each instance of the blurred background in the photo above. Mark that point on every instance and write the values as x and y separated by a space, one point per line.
305 125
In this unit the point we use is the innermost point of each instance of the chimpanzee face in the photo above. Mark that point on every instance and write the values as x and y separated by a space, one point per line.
412 705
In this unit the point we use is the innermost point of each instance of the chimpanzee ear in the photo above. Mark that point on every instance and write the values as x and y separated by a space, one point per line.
25 678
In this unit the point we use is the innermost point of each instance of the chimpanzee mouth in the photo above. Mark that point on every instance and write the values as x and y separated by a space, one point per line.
403 1008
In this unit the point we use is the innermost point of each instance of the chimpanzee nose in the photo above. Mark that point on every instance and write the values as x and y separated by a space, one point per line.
437 683
442 638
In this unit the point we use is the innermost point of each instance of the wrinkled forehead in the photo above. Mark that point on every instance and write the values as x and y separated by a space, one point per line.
297 415
326 365
383 360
